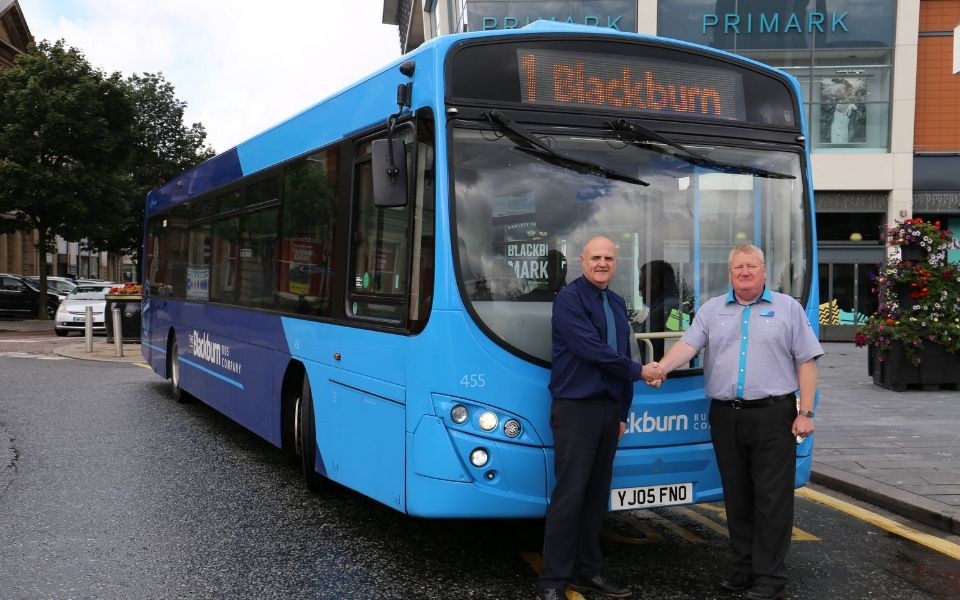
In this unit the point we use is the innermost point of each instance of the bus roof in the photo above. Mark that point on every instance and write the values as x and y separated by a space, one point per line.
367 103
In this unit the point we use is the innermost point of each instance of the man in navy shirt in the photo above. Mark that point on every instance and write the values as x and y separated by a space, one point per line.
592 388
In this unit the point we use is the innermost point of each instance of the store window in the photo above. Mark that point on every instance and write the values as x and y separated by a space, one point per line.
840 51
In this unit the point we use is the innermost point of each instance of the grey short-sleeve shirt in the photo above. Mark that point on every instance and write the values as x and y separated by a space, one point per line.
752 352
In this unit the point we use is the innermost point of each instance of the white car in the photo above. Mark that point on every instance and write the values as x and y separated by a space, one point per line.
71 314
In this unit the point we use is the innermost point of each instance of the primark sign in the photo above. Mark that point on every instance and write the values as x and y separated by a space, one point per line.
775 22
486 15
764 24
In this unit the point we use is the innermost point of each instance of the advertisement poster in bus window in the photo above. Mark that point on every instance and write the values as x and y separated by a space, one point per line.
525 244
198 283
843 117
301 277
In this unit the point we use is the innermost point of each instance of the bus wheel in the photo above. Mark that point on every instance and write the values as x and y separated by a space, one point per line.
306 437
173 370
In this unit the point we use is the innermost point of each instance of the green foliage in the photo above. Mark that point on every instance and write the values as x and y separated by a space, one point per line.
919 300
79 150
65 128
163 147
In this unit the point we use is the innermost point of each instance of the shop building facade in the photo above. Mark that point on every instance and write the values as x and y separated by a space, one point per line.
881 98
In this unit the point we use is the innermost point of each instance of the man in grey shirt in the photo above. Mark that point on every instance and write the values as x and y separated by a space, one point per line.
759 350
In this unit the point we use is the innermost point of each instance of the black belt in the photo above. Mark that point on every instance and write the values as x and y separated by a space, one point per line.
758 403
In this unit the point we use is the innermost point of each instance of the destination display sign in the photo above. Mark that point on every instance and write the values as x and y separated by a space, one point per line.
559 78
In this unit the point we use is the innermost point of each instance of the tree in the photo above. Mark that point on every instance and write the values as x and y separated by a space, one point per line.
163 147
65 131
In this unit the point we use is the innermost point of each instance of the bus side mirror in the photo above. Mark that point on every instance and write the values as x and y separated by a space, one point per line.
389 173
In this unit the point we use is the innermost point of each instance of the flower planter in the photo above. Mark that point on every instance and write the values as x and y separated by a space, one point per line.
129 305
938 369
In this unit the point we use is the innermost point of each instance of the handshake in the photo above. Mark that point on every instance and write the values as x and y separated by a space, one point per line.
653 374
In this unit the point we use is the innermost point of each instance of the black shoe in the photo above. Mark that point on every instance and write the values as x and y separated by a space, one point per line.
735 582
762 591
600 585
551 594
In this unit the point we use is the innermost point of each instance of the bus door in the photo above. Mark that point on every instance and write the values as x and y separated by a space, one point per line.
361 428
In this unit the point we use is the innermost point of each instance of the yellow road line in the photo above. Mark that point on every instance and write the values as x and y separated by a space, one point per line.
934 543
799 535
667 523
705 521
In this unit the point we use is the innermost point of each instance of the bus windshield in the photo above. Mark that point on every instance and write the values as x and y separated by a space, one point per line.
522 218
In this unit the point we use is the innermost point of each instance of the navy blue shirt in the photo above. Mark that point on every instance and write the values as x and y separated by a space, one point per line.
584 365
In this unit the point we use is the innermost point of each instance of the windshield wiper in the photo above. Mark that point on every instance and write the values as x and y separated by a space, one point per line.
531 144
635 133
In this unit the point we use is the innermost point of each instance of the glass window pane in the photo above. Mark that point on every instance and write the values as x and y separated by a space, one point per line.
223 281
258 257
230 201
198 269
309 222
177 237
264 191
379 282
518 242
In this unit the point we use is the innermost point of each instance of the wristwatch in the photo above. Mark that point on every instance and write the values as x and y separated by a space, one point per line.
806 413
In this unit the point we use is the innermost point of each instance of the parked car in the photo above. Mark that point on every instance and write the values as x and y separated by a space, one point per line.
94 282
72 314
61 286
20 298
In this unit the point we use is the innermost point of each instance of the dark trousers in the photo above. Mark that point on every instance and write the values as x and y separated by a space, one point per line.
756 453
585 442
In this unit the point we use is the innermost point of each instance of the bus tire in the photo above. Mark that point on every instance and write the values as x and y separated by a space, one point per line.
306 438
173 370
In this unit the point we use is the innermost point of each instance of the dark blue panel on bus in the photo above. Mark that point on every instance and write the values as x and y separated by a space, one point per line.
219 170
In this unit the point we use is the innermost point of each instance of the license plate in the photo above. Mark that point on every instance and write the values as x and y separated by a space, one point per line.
651 496
79 319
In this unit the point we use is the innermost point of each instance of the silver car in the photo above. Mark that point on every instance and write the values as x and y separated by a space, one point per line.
61 286
71 314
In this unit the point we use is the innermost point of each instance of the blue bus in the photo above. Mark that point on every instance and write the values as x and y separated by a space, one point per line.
368 284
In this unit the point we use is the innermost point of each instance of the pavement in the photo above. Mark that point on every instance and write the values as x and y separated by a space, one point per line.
76 347
896 450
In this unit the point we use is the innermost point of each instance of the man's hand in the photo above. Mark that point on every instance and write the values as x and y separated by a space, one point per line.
623 427
803 426
652 374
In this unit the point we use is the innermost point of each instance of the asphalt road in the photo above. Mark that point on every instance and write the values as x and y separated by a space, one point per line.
112 490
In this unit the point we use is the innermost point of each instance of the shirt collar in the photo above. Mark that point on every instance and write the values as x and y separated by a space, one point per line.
766 296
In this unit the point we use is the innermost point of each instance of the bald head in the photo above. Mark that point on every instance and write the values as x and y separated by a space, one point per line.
599 261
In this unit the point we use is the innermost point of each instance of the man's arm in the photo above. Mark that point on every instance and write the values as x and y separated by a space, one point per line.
807 376
680 353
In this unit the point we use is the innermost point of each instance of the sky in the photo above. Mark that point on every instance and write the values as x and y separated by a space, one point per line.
241 66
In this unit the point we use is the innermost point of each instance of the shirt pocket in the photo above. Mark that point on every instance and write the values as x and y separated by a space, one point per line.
770 332
724 329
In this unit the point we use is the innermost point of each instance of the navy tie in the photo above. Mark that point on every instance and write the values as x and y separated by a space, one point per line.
611 324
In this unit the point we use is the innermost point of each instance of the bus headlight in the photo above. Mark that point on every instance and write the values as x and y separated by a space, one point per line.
488 421
479 457
459 414
512 428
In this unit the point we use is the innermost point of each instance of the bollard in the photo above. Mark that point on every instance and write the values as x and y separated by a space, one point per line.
88 329
117 332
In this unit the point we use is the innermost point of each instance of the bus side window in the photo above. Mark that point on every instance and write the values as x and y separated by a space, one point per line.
308 225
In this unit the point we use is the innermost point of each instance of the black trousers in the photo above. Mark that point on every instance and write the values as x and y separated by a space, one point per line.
585 442
756 453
